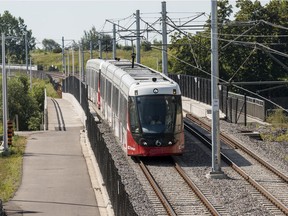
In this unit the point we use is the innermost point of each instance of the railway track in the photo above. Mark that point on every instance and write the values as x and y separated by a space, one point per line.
176 191
268 181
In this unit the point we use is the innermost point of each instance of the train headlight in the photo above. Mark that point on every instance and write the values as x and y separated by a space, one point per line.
170 143
143 142
158 143
174 91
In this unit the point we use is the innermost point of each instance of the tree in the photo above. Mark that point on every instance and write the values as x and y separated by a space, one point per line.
15 27
146 46
24 103
51 45
246 43
93 36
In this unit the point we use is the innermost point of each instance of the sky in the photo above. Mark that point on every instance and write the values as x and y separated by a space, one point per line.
69 19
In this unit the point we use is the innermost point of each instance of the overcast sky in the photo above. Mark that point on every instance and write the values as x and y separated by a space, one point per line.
54 19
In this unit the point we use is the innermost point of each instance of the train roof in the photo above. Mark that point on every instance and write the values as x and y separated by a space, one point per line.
140 72
130 78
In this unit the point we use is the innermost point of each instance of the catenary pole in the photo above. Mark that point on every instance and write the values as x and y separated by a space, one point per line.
30 74
80 75
100 45
73 66
4 95
91 54
114 41
216 160
26 52
83 67
138 45
164 40
68 62
63 54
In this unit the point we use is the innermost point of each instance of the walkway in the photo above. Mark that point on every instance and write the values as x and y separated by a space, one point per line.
55 177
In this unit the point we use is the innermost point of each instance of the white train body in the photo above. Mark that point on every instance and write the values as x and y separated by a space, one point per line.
142 106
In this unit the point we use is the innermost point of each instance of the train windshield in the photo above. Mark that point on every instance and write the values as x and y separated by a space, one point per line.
156 114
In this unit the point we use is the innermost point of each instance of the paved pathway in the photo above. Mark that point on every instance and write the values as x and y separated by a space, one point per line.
55 178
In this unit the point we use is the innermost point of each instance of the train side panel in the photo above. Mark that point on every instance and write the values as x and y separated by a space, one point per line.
110 89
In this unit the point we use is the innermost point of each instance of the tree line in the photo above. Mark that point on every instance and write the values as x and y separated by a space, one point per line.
252 44
252 47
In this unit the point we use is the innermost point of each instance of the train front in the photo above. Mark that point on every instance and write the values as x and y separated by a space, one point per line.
155 124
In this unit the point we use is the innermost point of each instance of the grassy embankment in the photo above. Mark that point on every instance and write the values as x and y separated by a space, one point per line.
47 59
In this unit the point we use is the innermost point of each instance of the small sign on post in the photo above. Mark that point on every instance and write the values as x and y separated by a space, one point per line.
10 132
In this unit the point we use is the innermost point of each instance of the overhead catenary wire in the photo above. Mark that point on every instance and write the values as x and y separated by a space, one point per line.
224 81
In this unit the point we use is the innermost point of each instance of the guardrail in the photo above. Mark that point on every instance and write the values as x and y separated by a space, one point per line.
20 67
231 104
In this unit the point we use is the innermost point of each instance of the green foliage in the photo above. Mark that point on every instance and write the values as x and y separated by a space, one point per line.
246 60
51 91
127 48
11 168
12 26
278 117
146 46
51 45
26 103
92 36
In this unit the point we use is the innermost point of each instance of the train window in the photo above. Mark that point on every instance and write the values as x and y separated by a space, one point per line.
102 86
123 110
159 113
108 92
115 100
133 114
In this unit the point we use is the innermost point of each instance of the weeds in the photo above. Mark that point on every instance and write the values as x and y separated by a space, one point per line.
11 168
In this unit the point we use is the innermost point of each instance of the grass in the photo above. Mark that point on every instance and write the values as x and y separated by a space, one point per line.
46 59
11 168
279 127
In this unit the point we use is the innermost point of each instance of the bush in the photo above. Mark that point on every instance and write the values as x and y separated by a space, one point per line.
127 48
278 117
146 46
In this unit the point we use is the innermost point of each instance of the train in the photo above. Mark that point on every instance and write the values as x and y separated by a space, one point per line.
142 106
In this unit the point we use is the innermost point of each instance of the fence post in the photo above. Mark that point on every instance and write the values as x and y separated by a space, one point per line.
245 110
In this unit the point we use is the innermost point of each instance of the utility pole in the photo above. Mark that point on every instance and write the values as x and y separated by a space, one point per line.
80 75
73 66
91 54
138 45
100 45
63 58
164 40
216 159
68 63
114 41
82 64
4 95
26 52
30 74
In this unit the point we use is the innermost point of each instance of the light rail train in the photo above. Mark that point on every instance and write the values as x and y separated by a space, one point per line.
142 106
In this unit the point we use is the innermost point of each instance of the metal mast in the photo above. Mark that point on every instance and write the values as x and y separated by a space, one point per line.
138 45
4 95
216 160
164 40
114 41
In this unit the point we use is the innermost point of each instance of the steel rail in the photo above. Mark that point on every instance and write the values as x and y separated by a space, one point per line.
196 190
156 188
233 143
241 172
